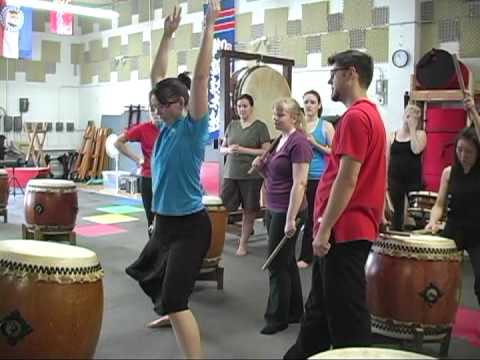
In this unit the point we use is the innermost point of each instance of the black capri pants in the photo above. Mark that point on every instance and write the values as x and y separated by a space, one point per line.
170 262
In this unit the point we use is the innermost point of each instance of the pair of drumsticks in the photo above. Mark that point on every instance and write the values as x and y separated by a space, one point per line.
270 150
459 73
285 238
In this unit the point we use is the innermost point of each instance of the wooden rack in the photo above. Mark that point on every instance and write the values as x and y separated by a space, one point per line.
37 134
91 159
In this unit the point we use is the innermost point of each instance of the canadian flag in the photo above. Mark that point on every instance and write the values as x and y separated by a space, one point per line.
15 31
61 22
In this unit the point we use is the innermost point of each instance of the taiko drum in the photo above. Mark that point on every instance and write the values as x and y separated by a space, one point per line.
51 303
265 85
218 217
420 206
413 282
51 205
368 353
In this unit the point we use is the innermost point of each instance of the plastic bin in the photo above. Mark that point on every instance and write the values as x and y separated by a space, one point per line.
110 178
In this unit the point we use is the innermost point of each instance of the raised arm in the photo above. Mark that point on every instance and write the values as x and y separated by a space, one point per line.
160 64
199 92
472 112
418 138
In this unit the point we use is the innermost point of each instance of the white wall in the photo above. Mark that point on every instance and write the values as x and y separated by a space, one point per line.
56 100
62 98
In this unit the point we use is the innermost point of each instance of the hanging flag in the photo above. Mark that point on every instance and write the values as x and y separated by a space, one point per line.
15 31
224 39
61 22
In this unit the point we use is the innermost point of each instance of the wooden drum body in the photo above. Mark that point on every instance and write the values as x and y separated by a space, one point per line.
4 189
413 282
265 85
52 300
51 205
218 216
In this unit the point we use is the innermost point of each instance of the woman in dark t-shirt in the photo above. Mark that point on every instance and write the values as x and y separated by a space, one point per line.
285 170
244 139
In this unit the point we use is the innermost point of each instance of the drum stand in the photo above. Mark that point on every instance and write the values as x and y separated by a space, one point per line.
418 341
4 213
14 183
40 234
212 270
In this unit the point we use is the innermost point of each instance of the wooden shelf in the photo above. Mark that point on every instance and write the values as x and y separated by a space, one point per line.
437 95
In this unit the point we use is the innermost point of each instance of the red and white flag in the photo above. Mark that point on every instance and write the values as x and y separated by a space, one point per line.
61 22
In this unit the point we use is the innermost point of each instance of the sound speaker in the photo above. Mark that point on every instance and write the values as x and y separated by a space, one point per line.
23 105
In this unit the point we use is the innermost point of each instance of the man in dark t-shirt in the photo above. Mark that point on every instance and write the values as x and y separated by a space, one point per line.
348 210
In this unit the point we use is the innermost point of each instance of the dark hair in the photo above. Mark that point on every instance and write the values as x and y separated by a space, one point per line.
247 97
170 88
470 135
319 99
362 62
184 77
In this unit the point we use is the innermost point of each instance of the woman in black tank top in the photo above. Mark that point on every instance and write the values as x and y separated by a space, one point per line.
460 194
405 168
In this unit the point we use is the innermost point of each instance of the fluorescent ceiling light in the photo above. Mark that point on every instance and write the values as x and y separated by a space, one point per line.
72 9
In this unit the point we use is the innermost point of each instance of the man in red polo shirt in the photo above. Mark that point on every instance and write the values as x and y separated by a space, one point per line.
348 210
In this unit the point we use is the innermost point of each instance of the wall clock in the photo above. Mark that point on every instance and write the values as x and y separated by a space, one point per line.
400 58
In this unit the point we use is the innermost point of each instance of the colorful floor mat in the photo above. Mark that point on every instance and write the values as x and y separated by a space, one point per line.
132 202
121 209
467 325
110 219
98 230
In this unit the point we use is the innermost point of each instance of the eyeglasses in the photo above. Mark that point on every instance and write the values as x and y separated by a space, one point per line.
334 71
162 104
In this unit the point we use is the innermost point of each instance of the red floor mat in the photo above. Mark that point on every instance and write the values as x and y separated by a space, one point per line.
467 325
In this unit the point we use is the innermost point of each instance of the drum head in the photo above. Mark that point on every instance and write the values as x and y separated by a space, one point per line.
50 183
209 200
42 253
368 353
265 85
3 172
422 241
46 253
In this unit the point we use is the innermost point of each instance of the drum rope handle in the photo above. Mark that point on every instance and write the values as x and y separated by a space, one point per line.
58 274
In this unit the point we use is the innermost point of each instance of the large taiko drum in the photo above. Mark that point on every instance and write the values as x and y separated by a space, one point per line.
435 70
265 85
51 303
368 353
51 205
218 217
413 282
4 190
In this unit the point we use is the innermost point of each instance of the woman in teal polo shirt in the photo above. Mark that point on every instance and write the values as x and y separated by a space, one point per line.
170 263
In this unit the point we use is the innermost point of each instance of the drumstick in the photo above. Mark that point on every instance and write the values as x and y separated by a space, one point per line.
266 153
422 232
458 72
278 248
